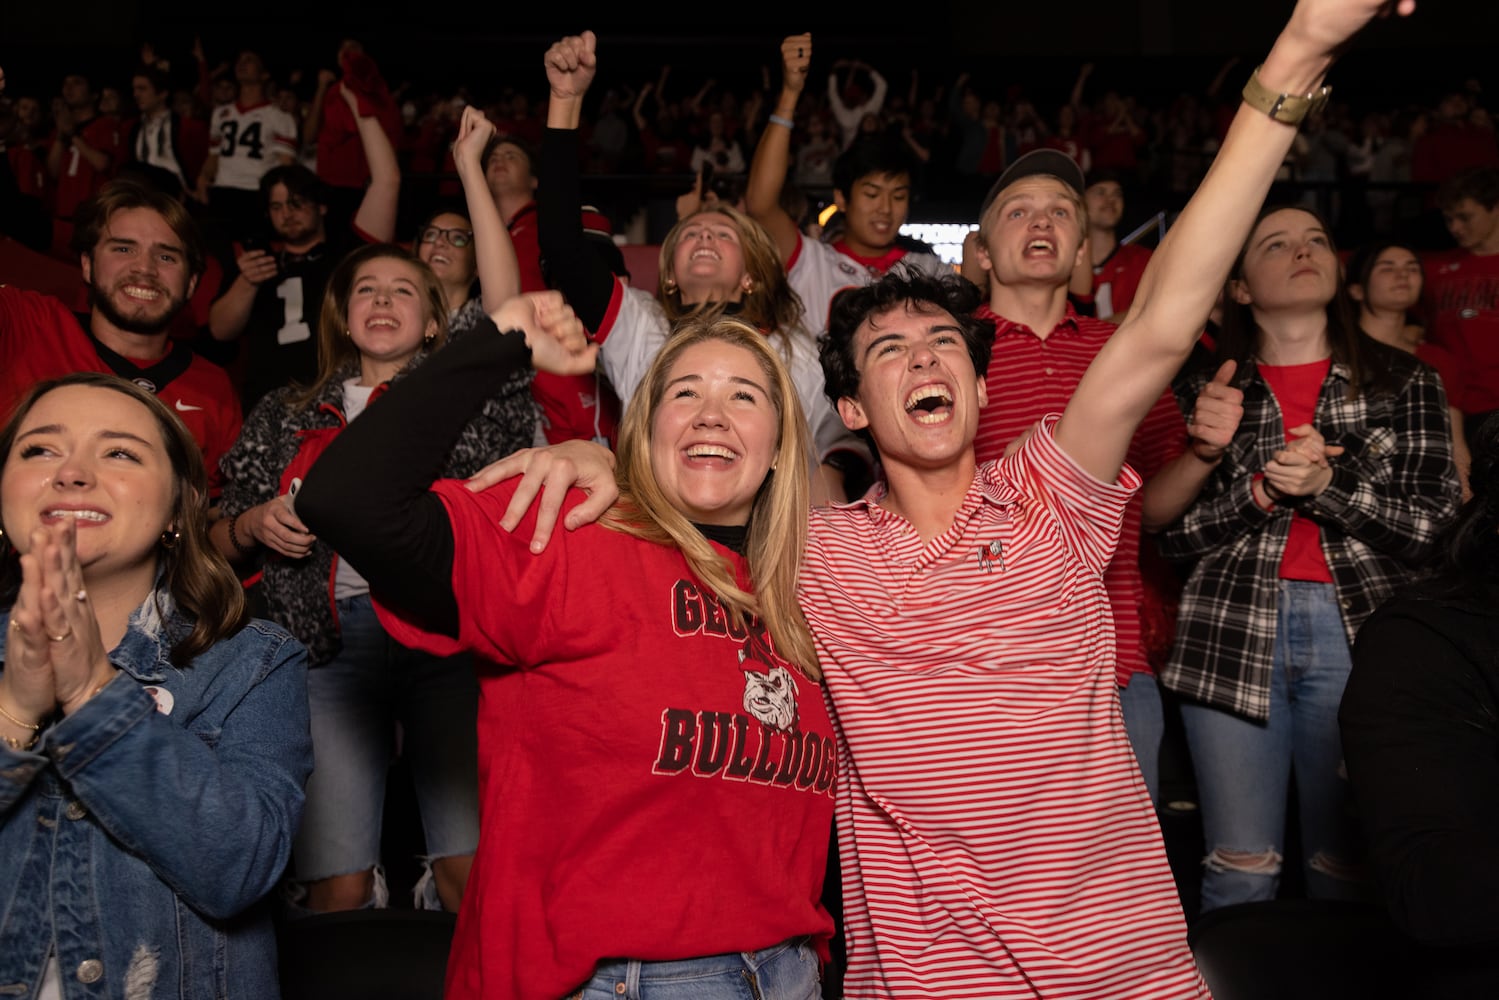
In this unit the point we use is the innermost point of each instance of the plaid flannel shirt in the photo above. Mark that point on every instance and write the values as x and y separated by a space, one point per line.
1393 490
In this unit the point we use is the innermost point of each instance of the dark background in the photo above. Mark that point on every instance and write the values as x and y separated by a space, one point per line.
1147 47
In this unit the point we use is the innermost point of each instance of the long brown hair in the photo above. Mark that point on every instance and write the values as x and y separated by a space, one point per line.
770 305
777 538
1238 338
192 571
336 350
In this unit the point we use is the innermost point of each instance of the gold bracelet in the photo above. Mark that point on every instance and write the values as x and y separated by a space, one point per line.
23 725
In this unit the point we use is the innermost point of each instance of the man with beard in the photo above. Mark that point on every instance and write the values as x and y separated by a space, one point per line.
271 295
141 258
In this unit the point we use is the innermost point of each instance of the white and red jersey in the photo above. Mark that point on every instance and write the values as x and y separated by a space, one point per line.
818 271
247 142
1116 280
996 837
655 782
40 339
635 327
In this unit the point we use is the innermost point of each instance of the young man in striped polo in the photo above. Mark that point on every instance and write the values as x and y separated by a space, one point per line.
995 835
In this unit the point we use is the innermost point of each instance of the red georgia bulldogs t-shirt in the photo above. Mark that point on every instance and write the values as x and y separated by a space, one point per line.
654 782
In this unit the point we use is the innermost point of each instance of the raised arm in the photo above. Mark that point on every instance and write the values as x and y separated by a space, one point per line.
572 268
367 495
1182 281
767 174
499 270
376 216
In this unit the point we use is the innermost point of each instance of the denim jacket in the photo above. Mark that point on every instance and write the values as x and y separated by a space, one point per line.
143 832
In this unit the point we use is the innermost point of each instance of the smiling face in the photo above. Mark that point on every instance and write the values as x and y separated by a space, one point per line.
388 318
1289 264
714 433
138 272
1032 233
874 210
1394 281
1105 202
96 458
454 266
918 395
707 262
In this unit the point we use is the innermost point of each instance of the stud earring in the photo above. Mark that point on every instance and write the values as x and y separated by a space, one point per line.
170 538
670 285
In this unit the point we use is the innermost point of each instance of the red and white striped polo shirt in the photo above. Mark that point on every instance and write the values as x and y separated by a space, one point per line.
1031 376
996 837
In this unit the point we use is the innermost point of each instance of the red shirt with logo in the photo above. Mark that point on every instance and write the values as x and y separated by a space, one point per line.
1462 307
40 339
655 783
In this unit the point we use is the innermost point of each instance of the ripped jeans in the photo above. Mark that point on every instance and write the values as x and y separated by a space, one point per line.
356 699
1244 767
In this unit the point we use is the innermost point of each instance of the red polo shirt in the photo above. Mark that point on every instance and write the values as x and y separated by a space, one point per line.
1031 376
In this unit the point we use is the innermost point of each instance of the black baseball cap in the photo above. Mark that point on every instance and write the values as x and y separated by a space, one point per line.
1051 162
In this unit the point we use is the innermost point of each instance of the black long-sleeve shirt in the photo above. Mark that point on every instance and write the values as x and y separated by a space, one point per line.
367 496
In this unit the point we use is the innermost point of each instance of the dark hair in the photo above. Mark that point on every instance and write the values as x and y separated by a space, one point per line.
1361 262
500 139
300 183
191 570
1238 335
898 289
879 154
1479 183
447 206
93 215
158 78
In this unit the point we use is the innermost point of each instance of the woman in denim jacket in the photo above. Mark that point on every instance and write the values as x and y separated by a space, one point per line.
153 740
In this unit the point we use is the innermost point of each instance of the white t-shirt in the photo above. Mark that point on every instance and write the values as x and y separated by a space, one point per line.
635 328
346 579
818 271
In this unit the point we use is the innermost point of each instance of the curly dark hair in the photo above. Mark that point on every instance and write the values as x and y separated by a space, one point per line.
851 308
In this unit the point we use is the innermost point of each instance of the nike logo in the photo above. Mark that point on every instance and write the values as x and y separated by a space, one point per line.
185 408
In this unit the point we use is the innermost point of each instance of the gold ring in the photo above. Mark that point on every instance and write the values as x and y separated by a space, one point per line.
81 596
66 635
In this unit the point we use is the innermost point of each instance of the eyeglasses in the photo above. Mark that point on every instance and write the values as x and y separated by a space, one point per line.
457 238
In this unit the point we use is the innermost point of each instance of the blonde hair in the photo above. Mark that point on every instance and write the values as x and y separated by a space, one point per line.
770 305
777 538
335 348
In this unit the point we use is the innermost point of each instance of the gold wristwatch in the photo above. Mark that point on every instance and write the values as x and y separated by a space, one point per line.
1288 109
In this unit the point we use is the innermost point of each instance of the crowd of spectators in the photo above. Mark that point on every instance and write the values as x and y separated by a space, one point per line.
648 134
290 175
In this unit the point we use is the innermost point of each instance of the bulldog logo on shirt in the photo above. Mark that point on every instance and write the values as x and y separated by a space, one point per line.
761 745
770 696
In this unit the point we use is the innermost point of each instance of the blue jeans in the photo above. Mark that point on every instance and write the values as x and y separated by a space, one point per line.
357 698
1244 768
787 971
1145 723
